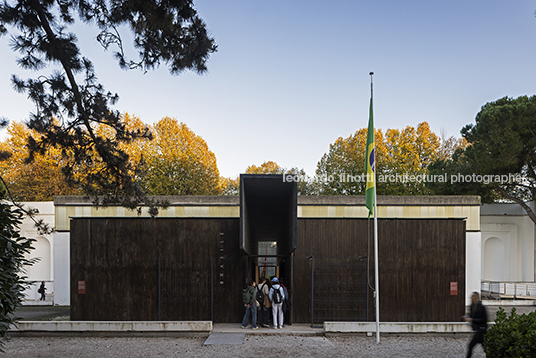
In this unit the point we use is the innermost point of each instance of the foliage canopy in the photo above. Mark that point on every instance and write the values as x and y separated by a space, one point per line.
164 32
38 180
501 145
72 107
179 162
408 152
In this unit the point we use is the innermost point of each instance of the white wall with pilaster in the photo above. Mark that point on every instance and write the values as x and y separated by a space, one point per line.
62 293
508 236
43 268
472 264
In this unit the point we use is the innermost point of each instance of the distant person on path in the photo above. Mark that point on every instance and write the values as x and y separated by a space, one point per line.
250 302
264 304
42 290
479 322
277 295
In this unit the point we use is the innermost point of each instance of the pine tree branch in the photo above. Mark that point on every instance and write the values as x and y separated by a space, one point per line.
68 70
527 208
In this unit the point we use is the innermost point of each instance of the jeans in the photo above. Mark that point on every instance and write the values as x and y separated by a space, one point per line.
252 309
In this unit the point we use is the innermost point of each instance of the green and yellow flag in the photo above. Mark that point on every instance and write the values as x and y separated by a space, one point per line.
370 165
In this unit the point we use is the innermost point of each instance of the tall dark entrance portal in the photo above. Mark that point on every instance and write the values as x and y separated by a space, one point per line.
268 224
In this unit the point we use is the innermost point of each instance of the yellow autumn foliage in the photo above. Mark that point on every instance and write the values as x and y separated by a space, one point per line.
400 152
179 162
39 180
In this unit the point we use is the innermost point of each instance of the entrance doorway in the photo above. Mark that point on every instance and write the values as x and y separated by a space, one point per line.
268 226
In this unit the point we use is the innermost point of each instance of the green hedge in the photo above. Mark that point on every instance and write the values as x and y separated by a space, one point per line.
513 336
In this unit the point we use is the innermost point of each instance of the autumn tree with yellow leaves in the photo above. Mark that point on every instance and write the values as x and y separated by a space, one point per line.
38 180
230 186
175 162
399 152
179 162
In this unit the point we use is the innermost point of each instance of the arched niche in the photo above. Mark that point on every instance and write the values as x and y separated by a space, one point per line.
494 259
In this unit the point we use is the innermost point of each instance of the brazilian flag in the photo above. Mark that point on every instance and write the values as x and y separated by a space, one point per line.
370 165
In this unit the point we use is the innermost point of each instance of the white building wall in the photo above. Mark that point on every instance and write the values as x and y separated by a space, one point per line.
473 268
43 269
61 267
515 236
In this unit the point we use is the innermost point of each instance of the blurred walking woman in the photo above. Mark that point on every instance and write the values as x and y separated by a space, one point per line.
42 290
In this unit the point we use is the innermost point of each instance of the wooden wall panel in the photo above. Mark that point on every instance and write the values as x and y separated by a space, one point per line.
344 238
417 261
118 260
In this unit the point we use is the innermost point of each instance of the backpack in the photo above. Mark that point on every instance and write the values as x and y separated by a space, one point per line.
260 296
276 296
246 296
286 305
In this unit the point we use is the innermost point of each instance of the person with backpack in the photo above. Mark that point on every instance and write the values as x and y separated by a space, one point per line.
42 290
264 302
277 295
250 302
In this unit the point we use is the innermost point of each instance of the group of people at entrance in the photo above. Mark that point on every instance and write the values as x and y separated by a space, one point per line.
265 302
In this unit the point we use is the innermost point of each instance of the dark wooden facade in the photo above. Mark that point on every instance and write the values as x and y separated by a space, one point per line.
418 259
119 260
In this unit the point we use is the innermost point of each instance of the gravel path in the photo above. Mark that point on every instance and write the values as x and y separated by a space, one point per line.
264 346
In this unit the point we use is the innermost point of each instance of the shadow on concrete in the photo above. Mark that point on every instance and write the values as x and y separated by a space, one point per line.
43 313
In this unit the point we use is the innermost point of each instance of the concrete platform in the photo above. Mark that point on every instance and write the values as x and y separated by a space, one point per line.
37 303
103 328
509 302
49 300
302 329
369 328
205 328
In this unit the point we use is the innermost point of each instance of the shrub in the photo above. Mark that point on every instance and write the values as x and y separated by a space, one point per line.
13 248
513 336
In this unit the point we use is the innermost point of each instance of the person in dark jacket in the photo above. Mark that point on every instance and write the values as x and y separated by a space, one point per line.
250 302
42 290
479 322
264 307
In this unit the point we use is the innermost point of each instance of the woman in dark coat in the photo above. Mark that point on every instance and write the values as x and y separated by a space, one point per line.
42 290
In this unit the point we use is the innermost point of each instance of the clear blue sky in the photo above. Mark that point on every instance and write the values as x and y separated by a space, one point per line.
290 77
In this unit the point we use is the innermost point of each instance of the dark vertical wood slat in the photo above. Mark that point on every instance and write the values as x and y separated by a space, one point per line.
418 260
118 259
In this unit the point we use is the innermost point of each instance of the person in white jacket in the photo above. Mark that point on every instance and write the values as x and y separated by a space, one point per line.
277 295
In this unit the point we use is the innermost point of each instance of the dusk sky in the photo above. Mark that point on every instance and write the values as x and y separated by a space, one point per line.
290 77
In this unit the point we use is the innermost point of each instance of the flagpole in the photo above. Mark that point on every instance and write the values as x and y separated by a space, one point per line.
376 274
